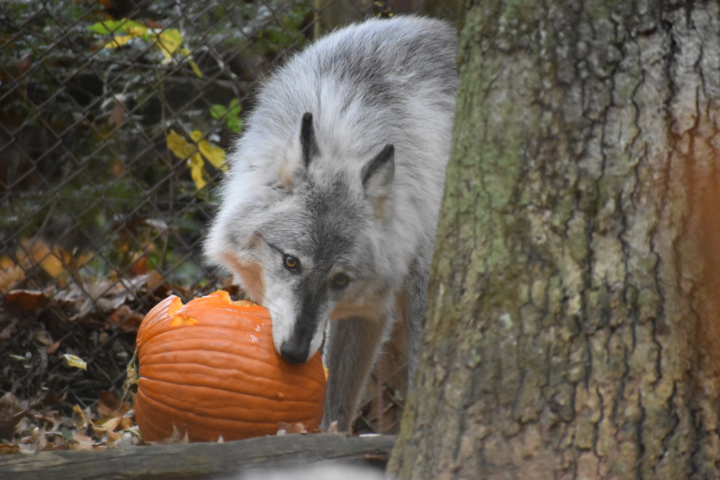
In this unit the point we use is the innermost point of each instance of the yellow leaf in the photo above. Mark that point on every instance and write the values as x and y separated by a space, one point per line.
195 68
169 41
212 153
196 170
9 275
178 145
118 41
74 361
78 411
183 149
193 65
49 259
137 31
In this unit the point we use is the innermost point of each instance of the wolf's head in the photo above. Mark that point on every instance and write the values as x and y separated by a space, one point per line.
306 248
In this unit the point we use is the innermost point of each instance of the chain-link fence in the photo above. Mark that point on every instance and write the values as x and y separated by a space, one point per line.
115 116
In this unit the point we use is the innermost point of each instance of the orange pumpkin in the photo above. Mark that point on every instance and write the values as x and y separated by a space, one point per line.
210 369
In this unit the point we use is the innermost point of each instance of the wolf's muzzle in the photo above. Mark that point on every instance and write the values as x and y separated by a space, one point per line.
294 352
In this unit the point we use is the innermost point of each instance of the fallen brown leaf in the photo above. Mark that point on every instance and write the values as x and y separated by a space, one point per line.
8 331
117 114
154 280
52 348
26 300
81 442
107 426
33 443
111 404
126 318
140 266
8 423
41 336
125 423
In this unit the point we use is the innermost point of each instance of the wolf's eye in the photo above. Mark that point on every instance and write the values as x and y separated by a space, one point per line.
291 262
340 281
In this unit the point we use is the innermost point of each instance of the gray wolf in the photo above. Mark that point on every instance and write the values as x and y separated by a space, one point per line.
330 206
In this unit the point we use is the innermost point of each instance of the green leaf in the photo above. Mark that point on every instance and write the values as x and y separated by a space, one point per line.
235 124
217 111
234 110
108 27
105 28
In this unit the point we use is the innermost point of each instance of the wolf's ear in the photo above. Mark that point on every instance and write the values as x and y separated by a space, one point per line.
307 139
290 166
377 177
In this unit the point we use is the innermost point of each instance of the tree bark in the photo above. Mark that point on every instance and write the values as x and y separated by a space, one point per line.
573 325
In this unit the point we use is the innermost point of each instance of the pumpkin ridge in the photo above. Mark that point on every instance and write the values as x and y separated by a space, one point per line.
235 328
279 400
219 375
234 356
208 333
155 359
222 418
207 370
148 418
167 433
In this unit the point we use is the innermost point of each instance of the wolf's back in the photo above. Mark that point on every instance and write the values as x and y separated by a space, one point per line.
371 84
366 84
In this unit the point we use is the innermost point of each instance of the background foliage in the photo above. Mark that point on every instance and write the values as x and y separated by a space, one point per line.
116 117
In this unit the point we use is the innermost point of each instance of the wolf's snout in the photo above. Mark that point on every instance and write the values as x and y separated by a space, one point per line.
294 352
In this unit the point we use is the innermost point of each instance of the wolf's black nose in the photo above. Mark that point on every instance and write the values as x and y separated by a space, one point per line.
293 353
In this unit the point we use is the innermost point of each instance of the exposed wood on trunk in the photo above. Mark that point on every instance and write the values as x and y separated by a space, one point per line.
197 460
573 317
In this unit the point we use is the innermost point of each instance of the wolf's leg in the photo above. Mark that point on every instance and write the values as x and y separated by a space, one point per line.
412 311
350 351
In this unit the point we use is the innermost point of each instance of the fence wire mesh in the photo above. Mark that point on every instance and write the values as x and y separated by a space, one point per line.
115 117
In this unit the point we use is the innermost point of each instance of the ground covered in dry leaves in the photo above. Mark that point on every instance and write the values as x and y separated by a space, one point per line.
65 345
66 341
30 427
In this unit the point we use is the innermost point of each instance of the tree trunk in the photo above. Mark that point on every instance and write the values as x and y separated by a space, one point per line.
573 325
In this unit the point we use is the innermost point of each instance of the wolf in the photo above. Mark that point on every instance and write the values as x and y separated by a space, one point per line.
329 210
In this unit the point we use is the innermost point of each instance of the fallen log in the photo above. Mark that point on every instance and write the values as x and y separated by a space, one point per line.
197 460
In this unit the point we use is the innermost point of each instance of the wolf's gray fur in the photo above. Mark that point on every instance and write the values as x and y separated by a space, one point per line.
317 471
330 207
